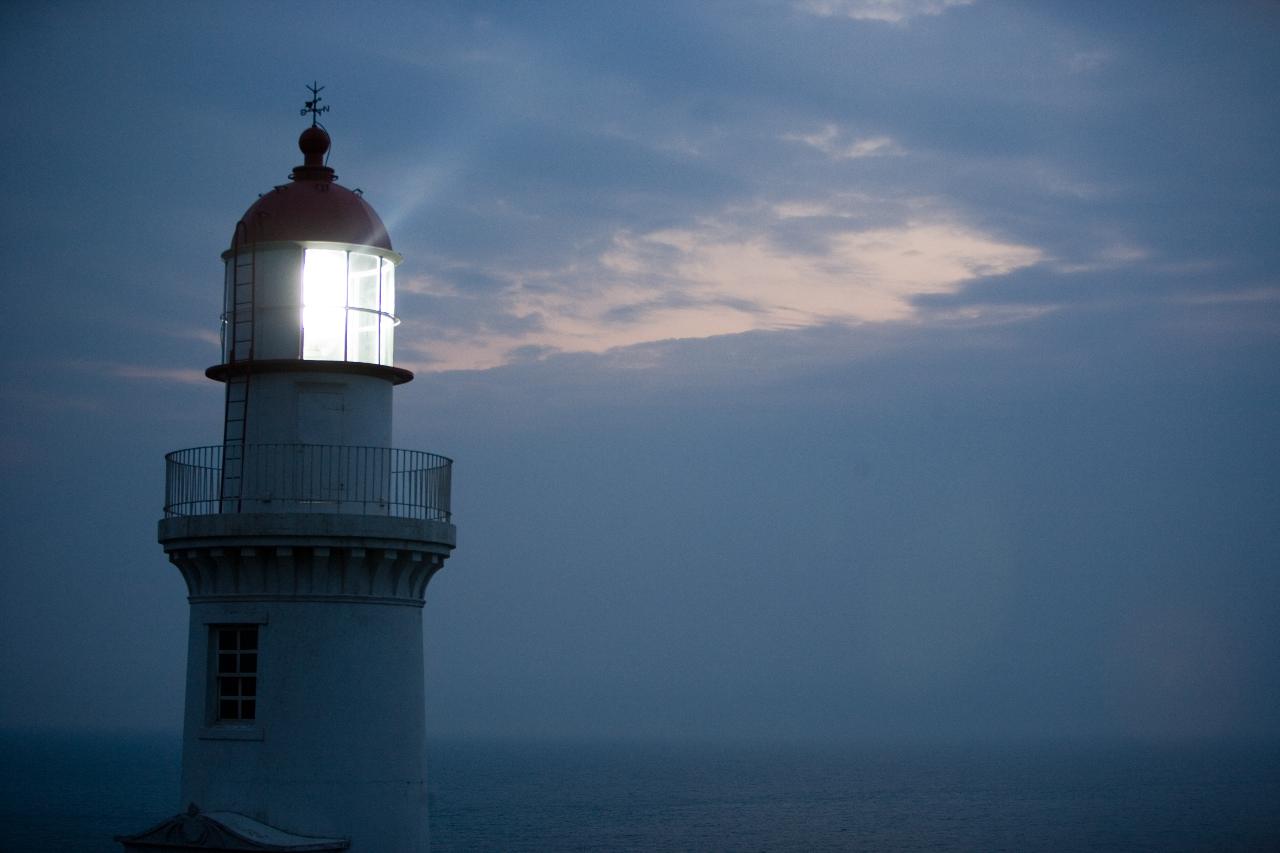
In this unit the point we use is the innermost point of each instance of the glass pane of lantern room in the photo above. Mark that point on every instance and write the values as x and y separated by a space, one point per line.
388 305
362 281
322 333
387 343
362 336
324 278
386 336
324 296
227 308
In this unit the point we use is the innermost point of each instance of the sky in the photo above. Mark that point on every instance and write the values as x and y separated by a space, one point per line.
856 369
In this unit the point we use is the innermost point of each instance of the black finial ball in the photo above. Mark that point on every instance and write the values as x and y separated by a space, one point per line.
314 143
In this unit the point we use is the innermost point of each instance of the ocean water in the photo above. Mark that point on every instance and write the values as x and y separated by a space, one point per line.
72 793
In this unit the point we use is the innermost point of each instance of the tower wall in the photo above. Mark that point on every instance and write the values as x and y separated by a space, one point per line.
337 744
316 407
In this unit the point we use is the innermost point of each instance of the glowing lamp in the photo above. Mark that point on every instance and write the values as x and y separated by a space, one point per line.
348 306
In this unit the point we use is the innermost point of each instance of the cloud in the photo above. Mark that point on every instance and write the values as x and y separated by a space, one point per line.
827 141
889 11
722 277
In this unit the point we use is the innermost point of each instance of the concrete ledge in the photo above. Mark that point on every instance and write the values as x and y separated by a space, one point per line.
285 528
293 598
394 375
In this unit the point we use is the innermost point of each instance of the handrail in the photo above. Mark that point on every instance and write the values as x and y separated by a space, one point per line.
311 478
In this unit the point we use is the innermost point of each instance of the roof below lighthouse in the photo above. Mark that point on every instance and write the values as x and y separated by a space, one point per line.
313 206
224 832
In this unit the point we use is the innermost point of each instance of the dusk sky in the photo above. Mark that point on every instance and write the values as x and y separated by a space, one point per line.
813 368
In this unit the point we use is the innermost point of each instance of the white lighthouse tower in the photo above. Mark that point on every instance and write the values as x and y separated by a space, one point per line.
306 543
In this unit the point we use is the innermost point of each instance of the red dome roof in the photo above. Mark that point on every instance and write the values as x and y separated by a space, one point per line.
313 206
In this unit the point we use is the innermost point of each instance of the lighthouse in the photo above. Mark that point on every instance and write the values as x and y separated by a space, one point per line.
306 542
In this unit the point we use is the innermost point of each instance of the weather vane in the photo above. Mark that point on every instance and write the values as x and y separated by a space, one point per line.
313 105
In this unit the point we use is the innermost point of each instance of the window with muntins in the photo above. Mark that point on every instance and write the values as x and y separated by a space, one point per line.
348 306
237 673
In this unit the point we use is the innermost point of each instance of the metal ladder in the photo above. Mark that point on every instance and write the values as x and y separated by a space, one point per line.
240 350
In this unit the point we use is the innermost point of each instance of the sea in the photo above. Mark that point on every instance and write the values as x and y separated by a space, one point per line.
62 792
